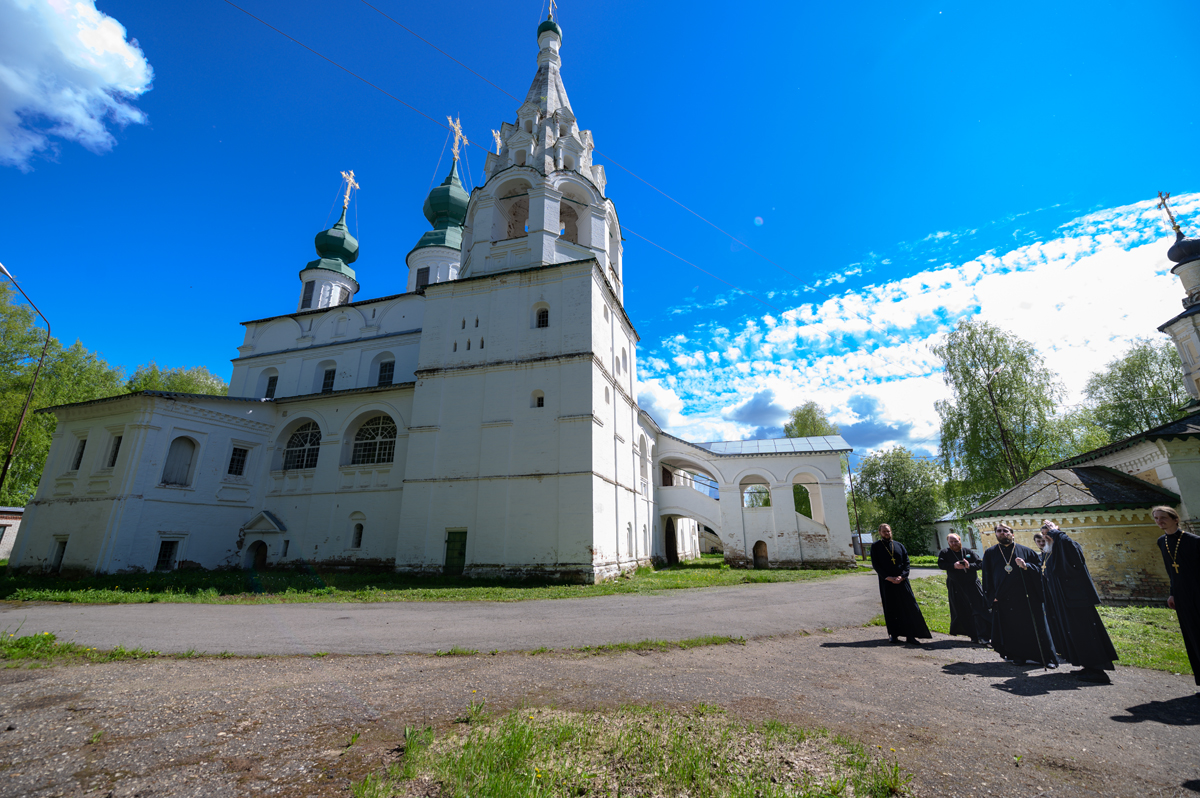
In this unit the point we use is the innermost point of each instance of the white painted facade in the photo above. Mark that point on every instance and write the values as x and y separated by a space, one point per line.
508 388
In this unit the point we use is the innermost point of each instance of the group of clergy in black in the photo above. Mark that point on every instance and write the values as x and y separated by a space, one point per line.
1035 606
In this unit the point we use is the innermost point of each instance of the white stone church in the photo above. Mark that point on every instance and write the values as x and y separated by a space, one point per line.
483 422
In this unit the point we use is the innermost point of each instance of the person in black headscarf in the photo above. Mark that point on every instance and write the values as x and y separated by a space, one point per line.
1012 585
969 614
1181 556
889 558
1071 598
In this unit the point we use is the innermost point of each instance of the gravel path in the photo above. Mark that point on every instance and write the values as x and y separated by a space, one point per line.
956 715
403 627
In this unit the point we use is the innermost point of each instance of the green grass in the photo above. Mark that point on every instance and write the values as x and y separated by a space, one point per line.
700 753
663 645
295 586
1146 637
456 651
923 561
33 651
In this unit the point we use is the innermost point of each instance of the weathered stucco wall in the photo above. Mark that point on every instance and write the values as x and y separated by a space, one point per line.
1121 550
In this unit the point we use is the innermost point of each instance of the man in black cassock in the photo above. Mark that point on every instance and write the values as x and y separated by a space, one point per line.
889 558
1071 598
1181 555
969 614
1012 585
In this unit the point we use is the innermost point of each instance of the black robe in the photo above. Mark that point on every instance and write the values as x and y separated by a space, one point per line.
1071 598
1019 630
969 613
900 608
1185 587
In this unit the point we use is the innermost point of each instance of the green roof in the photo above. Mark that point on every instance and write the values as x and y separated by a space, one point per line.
337 248
549 24
446 210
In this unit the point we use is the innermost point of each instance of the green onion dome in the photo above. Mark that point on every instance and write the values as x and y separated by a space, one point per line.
336 242
549 24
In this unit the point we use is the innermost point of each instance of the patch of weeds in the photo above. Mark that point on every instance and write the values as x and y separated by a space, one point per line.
95 737
878 620
353 740
455 651
41 650
663 645
541 650
476 711
191 653
320 653
636 750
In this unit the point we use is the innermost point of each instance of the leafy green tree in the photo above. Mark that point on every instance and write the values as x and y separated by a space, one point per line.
181 380
808 421
69 375
999 425
1143 388
903 491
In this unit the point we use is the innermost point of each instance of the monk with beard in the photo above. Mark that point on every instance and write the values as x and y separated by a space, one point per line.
1012 584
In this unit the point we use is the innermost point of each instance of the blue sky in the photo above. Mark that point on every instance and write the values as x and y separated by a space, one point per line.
888 168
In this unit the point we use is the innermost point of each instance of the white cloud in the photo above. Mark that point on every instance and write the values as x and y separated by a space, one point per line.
865 356
66 71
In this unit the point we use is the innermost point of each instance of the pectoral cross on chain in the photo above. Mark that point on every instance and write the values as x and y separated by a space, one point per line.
1175 565
350 184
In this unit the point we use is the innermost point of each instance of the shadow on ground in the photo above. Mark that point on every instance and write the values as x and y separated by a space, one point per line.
1182 711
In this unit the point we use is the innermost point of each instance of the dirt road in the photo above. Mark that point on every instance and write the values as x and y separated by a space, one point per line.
956 715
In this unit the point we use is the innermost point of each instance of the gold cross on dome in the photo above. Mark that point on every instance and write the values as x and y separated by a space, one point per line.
499 142
350 184
1163 206
553 8
458 134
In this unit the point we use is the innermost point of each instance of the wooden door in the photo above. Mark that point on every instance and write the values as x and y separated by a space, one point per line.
456 552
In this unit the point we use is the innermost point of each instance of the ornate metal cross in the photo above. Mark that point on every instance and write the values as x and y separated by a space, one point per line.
458 134
1163 206
350 184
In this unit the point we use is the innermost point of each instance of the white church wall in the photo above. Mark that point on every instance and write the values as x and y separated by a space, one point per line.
115 518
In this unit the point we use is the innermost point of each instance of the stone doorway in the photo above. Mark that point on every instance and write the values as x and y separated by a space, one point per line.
671 545
256 556
760 555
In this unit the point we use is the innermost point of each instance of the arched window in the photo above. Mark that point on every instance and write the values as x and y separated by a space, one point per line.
538 399
481 343
375 442
606 400
456 346
356 542
624 360
642 455
543 318
468 344
476 321
178 469
464 326
303 447
568 220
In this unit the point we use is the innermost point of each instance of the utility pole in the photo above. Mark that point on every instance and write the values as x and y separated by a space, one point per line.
854 501
1012 469
32 383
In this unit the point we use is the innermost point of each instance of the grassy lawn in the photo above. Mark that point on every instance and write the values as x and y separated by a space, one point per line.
287 586
1147 637
633 751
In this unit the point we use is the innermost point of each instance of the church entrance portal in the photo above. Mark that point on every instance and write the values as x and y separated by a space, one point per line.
456 552
671 546
760 555
256 556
